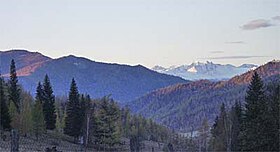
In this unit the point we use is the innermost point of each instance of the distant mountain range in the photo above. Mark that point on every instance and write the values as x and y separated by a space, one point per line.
123 82
170 100
184 106
208 70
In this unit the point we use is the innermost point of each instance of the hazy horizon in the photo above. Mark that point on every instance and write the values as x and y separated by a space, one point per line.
205 61
149 33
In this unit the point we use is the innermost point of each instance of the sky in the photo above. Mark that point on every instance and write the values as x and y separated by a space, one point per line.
146 32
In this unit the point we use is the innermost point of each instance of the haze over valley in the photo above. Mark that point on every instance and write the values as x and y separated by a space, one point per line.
140 76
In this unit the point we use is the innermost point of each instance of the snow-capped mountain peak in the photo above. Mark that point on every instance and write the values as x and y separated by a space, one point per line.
158 68
192 69
205 70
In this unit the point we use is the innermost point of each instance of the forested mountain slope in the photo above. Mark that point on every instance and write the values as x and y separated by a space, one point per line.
123 82
184 106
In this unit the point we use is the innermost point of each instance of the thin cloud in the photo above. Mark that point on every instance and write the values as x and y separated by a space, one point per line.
233 57
277 18
235 42
256 24
216 52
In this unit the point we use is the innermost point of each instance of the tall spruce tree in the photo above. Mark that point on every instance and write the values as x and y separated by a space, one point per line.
49 104
73 113
14 90
37 113
5 119
256 124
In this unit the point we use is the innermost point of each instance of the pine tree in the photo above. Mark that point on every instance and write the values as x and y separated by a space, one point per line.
14 90
39 93
219 132
37 113
5 119
236 119
111 118
106 124
256 124
73 113
48 104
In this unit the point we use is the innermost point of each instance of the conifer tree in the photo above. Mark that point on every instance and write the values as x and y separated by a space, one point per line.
256 124
73 113
14 90
219 132
48 104
37 113
83 106
39 94
236 120
5 119
106 124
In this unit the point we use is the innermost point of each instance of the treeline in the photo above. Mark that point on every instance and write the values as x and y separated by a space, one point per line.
99 123
252 126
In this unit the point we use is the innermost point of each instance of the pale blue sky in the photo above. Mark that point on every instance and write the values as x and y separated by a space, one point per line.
147 32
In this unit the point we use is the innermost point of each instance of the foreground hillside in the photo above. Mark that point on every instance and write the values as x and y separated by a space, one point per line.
63 143
123 82
184 106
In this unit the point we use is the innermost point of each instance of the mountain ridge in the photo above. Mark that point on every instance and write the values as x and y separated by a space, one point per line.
27 62
207 70
123 82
